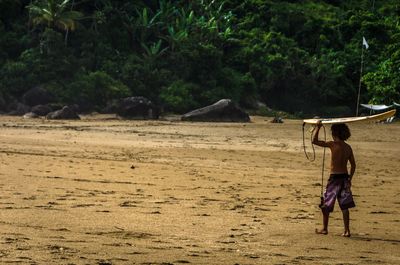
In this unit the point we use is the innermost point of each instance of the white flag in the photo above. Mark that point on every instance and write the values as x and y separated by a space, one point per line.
365 43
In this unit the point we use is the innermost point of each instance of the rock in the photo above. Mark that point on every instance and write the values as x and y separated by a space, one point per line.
222 111
277 120
31 115
37 96
18 109
41 110
137 108
66 113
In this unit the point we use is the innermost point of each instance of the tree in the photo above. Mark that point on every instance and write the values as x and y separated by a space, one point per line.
54 14
383 85
296 56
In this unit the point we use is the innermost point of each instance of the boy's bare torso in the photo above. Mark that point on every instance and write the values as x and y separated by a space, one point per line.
341 153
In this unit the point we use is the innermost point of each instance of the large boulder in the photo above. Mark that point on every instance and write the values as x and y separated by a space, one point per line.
37 96
41 110
222 111
66 113
137 108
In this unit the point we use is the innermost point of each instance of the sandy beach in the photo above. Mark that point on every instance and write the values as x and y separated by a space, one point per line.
108 191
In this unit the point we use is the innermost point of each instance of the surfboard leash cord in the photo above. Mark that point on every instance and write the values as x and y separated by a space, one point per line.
323 167
312 145
313 156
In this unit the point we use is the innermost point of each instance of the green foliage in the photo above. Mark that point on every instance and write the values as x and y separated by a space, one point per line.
9 9
178 97
93 89
54 14
12 83
295 56
383 84
236 86
265 111
51 61
337 111
145 75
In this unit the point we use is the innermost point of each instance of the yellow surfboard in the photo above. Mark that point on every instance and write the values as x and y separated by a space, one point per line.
377 117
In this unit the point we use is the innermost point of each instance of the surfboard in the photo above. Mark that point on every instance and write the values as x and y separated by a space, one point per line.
377 117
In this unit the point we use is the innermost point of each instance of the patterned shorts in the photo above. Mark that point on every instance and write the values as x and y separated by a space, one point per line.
338 187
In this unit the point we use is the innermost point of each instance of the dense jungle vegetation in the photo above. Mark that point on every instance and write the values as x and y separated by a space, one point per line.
301 57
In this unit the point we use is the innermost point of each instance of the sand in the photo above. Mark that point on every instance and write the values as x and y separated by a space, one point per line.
106 191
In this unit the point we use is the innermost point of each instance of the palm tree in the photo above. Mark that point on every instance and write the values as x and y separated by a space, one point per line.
54 14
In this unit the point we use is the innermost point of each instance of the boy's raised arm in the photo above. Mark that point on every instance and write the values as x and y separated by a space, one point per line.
315 140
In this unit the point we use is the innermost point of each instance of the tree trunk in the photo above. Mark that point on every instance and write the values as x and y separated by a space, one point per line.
66 37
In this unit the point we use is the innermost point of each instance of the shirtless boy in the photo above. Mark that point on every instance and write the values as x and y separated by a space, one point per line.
339 182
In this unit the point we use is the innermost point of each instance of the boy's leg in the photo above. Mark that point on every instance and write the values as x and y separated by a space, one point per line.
331 191
346 222
346 201
325 221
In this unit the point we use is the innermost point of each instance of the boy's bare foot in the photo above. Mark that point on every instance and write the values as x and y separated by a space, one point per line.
346 234
321 232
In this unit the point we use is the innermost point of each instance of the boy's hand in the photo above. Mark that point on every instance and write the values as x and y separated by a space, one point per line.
319 124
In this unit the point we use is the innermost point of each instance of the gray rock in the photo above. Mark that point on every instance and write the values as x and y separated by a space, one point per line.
137 108
222 111
66 113
41 110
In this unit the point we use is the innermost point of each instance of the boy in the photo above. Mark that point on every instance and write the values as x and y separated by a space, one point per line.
339 182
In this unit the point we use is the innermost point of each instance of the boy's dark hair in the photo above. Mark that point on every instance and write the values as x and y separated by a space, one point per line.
341 131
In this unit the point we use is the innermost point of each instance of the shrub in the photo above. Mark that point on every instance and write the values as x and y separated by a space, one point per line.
95 88
13 78
237 86
336 111
179 96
